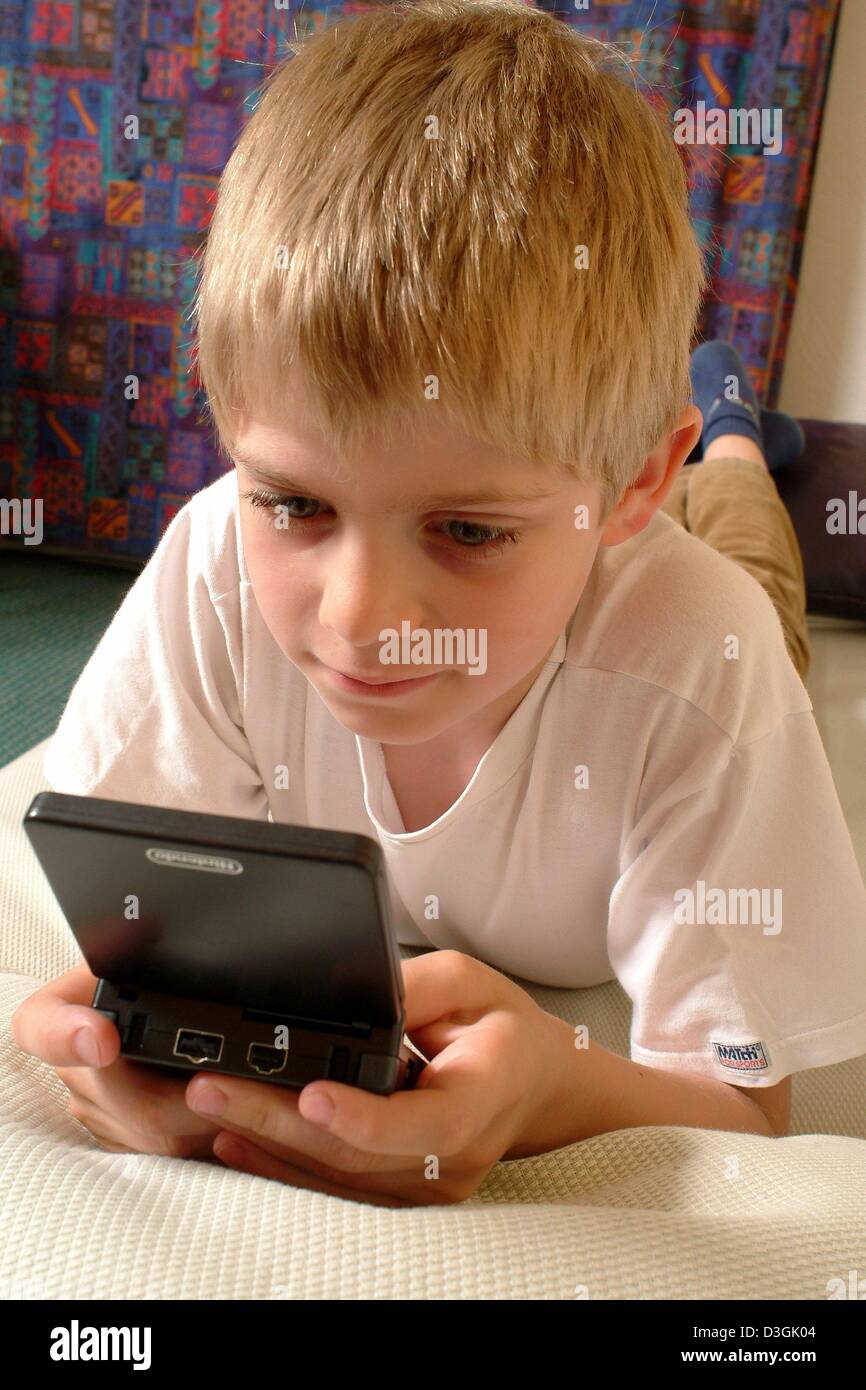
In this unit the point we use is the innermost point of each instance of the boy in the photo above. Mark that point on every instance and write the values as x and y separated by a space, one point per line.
444 328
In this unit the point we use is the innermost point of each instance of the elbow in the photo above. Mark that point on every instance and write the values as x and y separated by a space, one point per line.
773 1104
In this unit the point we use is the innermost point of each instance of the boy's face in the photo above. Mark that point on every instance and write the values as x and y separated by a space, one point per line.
353 552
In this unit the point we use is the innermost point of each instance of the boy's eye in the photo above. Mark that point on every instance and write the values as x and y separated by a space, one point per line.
485 540
259 498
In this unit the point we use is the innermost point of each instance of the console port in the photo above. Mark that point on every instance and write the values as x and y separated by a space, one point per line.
266 1060
198 1047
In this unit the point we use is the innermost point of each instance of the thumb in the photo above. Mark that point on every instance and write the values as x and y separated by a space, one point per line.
435 1037
447 986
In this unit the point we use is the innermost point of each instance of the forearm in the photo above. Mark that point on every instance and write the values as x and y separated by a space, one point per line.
593 1091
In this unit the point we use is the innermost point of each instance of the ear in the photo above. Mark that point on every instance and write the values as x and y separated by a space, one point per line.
640 501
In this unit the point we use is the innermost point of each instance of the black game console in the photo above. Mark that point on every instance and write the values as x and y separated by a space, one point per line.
224 944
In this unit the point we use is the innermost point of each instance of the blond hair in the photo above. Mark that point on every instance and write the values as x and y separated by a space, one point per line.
407 273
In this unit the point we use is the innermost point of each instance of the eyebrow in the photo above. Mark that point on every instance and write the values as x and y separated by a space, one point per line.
260 470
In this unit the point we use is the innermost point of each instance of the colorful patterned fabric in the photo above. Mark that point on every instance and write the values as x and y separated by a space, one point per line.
98 230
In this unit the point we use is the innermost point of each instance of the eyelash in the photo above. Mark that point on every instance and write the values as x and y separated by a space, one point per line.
498 540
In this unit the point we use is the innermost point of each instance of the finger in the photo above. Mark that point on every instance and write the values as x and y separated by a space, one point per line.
46 1024
434 1037
448 984
455 1100
249 1158
99 1127
111 1132
108 1144
151 1101
139 1098
270 1117
341 1157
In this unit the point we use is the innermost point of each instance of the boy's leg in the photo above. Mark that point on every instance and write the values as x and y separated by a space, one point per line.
730 501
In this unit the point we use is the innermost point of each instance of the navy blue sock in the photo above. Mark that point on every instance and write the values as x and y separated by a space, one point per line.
784 440
713 364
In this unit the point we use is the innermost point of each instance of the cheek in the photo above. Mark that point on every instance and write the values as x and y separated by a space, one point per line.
546 592
569 562
279 597
516 621
528 617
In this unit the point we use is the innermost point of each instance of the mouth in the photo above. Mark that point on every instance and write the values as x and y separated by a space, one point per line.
363 686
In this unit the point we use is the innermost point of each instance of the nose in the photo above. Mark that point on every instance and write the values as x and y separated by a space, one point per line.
368 587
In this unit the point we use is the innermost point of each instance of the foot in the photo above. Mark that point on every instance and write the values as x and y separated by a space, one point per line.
779 436
784 440
737 446
723 393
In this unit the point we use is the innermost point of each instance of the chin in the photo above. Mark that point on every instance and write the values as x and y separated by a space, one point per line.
386 725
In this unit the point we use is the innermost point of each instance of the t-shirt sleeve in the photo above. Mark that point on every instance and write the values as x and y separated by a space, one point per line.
738 923
155 715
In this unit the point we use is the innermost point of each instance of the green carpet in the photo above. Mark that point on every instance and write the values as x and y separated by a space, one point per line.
52 614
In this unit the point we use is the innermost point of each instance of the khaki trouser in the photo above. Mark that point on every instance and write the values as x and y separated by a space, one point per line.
734 505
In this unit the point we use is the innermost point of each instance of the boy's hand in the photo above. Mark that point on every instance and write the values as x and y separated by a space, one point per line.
494 1063
128 1106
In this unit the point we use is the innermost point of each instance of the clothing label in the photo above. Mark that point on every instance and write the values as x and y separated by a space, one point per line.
742 1057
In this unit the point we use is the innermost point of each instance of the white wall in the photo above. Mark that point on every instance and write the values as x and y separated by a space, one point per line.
825 365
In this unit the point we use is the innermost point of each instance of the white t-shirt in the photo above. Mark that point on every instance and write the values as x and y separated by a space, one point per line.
703 778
